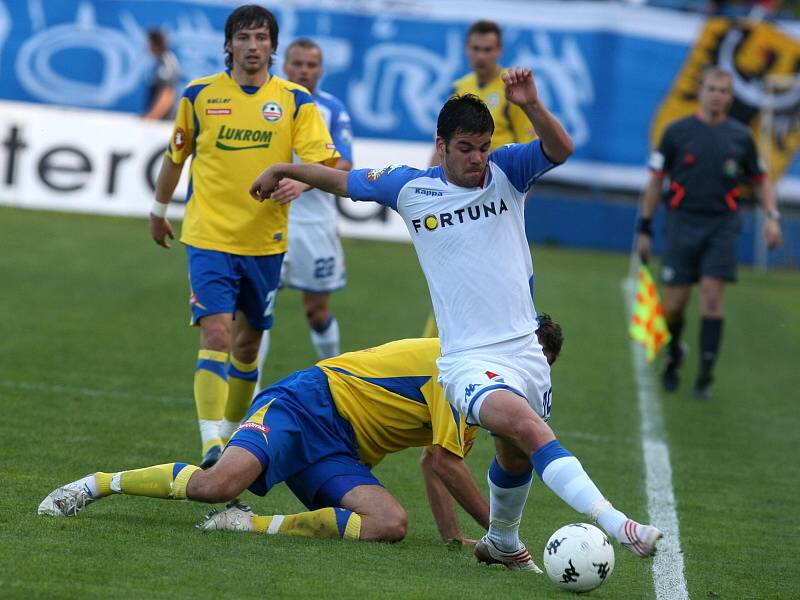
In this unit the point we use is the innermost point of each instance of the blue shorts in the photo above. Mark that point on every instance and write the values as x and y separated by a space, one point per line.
298 436
224 283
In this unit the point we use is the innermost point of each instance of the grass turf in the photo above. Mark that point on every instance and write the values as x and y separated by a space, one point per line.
96 374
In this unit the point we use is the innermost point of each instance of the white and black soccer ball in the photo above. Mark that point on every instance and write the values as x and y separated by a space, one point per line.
578 557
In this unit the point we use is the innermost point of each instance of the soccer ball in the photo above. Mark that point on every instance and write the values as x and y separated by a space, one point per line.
578 557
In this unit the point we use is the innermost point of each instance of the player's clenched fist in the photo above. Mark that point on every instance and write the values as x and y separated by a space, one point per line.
265 184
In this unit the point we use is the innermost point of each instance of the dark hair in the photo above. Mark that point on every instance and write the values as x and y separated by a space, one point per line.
246 17
157 40
463 114
550 337
306 43
484 26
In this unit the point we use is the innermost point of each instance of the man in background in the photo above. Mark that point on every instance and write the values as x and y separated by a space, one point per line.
314 262
163 82
706 157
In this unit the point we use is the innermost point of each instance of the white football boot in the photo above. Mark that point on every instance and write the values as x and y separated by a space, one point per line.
639 539
68 500
518 560
235 517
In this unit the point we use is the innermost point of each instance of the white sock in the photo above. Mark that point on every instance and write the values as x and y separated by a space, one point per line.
209 430
507 497
89 483
227 428
263 350
326 342
566 477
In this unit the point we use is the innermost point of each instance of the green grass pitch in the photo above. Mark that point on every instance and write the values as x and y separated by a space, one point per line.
96 370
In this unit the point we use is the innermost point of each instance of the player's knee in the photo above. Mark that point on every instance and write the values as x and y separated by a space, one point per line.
317 315
216 336
212 486
393 524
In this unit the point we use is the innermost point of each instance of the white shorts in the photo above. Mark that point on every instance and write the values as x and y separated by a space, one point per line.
516 365
315 260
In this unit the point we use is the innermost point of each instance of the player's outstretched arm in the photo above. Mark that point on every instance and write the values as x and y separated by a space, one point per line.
446 478
168 177
319 176
521 90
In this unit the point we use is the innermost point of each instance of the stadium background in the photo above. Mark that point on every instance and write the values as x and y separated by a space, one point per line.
604 68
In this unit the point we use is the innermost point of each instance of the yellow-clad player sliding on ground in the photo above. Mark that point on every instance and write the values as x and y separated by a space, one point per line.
321 430
233 124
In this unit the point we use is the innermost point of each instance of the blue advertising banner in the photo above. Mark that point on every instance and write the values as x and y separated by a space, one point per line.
602 68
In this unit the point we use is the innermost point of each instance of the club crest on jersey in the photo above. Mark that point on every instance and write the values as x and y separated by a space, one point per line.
461 215
179 138
375 174
271 112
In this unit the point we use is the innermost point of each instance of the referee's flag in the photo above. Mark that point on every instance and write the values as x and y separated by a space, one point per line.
648 326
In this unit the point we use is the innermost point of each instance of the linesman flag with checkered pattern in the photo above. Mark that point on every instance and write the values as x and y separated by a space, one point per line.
648 326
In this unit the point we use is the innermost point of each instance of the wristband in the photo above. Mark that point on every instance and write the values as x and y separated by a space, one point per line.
159 209
774 214
646 226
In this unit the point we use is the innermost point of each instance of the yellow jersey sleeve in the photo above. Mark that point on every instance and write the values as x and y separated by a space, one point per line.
312 139
181 144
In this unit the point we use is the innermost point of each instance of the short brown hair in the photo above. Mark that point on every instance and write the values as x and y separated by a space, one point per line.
550 337
484 26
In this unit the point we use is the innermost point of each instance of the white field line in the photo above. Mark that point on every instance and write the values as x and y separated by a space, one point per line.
668 570
50 388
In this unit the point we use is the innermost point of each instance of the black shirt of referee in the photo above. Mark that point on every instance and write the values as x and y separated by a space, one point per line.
706 157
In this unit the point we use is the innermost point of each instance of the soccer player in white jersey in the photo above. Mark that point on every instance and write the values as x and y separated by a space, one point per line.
466 220
314 262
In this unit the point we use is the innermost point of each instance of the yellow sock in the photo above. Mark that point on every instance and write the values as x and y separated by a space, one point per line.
327 523
242 378
160 481
431 330
210 393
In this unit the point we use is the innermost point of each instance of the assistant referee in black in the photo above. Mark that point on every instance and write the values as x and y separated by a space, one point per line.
705 157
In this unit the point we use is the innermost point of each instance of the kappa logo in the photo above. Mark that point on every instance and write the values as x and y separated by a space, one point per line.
271 112
461 215
469 389
179 138
427 192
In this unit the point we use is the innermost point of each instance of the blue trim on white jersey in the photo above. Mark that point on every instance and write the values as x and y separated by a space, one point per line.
384 185
523 164
340 126
490 388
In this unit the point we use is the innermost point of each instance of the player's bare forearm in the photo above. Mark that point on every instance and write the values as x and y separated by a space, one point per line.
651 196
766 194
167 180
318 176
162 104
343 165
556 143
440 500
456 476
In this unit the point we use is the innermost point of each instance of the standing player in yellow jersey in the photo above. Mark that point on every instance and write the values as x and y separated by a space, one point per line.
484 45
232 124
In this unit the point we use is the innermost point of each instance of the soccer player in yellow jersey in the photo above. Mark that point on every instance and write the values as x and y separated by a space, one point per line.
484 45
233 124
321 430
